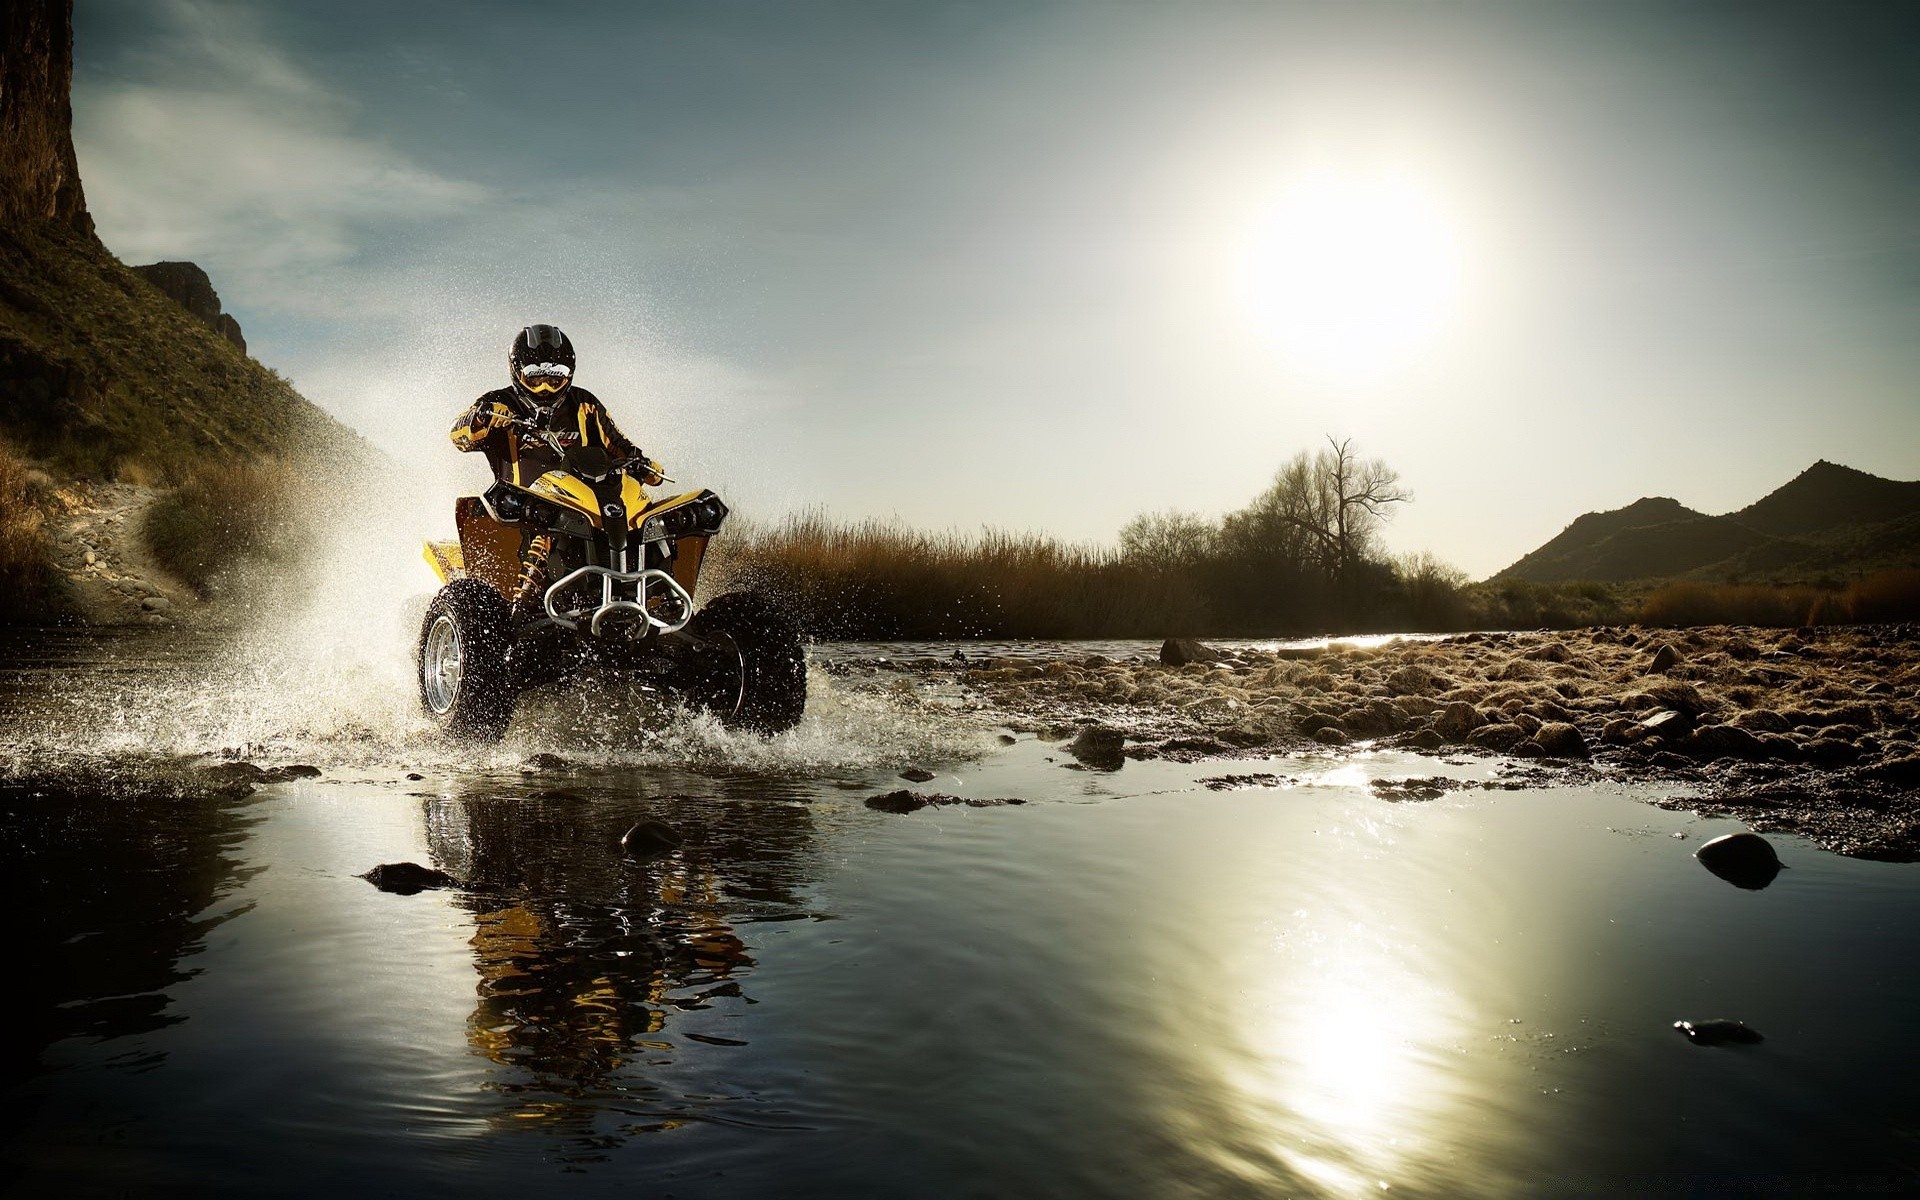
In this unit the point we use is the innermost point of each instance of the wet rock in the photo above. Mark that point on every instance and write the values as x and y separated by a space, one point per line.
1332 735
1425 739
1665 658
290 771
1457 720
544 762
1178 652
650 839
1719 1032
1828 751
906 802
1006 739
916 775
1099 747
1618 732
1746 860
1667 723
1557 739
415 776
1430 788
1500 737
406 878
1227 783
1724 741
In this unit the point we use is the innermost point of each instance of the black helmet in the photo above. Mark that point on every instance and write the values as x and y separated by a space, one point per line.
542 364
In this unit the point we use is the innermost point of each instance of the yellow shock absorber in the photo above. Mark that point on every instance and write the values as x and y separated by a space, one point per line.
533 571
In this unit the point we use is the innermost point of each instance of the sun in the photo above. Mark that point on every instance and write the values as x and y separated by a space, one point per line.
1351 275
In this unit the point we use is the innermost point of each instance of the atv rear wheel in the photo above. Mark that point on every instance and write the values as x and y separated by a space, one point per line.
762 684
465 686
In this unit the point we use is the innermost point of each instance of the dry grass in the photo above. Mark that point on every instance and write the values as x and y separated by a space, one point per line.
28 590
1678 604
220 517
1884 596
878 579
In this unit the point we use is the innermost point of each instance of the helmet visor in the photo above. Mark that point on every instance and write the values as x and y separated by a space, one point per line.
545 378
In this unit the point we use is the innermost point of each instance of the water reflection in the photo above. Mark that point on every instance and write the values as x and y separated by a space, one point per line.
590 963
114 889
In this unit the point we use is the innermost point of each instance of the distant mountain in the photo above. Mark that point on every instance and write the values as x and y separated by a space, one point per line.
1829 520
1828 496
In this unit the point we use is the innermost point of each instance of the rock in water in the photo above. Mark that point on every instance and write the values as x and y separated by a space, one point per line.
916 775
1719 1032
544 762
405 878
906 802
1178 652
1099 747
1746 860
650 839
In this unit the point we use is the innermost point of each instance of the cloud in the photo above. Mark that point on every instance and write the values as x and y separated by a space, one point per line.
218 147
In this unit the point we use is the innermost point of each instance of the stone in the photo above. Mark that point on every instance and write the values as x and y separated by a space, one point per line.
1557 739
1178 652
1099 747
1746 860
916 775
1457 720
1665 659
1500 737
907 802
1331 735
544 762
1724 741
650 839
1719 1032
406 878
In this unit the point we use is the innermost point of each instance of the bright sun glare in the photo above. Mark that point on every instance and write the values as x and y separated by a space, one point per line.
1349 275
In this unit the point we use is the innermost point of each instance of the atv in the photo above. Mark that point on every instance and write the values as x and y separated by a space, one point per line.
623 568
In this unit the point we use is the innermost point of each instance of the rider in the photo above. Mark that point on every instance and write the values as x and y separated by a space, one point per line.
542 397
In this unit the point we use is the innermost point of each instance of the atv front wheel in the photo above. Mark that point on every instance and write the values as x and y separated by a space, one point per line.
465 686
761 683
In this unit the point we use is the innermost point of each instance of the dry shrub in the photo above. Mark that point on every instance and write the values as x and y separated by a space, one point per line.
1680 604
28 591
220 517
1885 596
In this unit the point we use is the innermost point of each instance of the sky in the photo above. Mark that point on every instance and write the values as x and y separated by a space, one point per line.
1048 265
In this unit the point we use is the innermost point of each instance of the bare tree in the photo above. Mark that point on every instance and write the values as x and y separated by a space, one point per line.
1322 510
1167 541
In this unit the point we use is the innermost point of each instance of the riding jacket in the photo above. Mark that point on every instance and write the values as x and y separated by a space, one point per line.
519 457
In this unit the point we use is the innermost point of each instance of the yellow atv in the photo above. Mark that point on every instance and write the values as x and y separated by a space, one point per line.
623 568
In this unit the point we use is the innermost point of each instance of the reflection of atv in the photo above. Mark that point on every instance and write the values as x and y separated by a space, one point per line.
623 571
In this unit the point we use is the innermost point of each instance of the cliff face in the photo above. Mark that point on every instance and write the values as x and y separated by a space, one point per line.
188 286
39 176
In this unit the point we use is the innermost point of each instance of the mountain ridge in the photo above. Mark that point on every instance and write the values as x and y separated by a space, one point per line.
1829 518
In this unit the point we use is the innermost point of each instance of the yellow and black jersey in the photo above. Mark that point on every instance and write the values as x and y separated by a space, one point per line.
518 457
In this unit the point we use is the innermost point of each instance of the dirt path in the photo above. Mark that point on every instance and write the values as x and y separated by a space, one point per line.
97 546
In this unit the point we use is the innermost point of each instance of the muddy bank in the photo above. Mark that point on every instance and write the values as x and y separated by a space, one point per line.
1810 731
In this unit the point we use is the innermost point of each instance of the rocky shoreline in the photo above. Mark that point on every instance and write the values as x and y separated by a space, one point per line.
1809 731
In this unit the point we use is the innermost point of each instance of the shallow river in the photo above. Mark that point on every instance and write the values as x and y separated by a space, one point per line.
1131 985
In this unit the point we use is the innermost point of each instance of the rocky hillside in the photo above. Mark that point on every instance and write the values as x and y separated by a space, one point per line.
1829 521
107 371
117 384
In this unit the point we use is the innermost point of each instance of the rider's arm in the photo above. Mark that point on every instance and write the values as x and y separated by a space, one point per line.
618 446
473 425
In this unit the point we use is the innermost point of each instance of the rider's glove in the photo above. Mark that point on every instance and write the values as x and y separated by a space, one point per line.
500 418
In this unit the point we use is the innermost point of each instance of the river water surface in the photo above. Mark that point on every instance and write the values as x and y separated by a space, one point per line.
1132 984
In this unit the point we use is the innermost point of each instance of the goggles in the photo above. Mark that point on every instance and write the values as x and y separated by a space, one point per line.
545 377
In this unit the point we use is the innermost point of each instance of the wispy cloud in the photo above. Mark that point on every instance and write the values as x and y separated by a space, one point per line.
220 148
